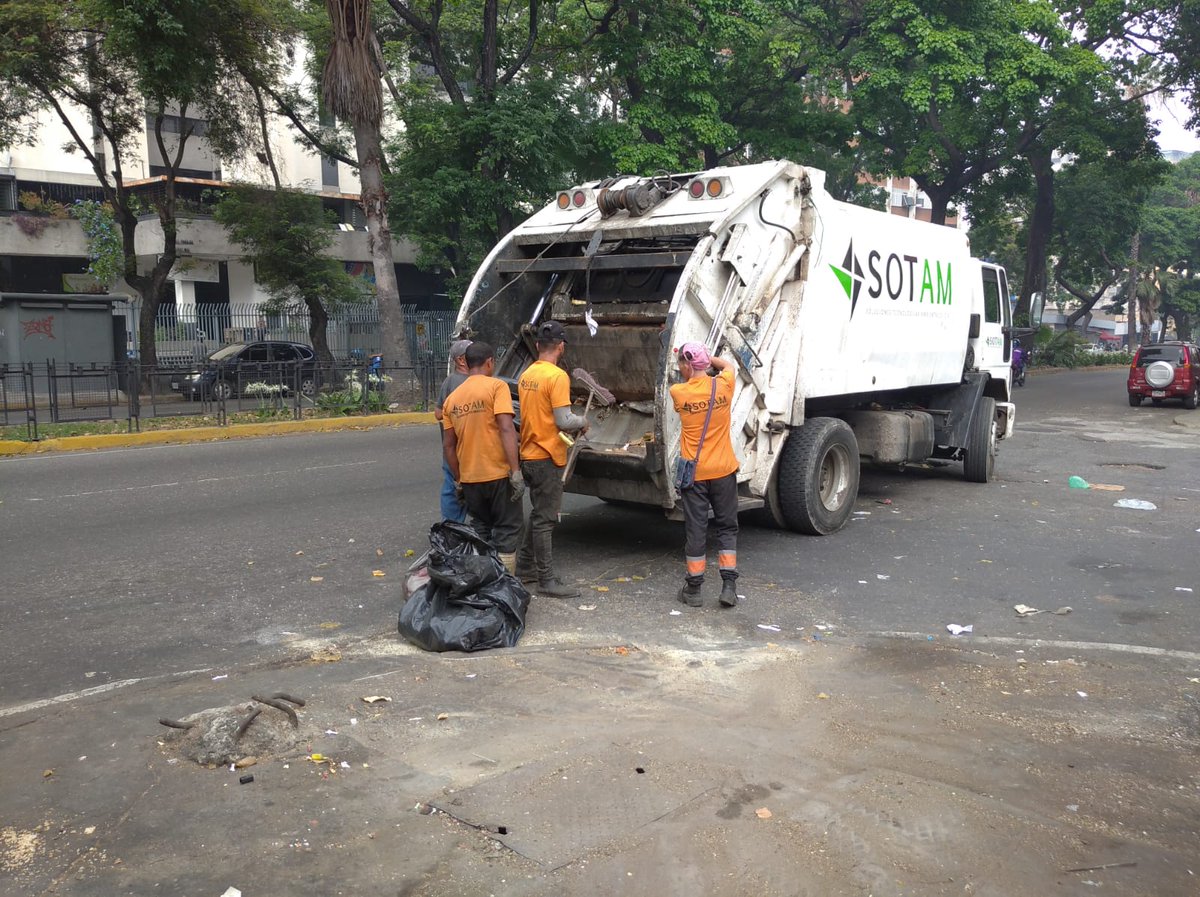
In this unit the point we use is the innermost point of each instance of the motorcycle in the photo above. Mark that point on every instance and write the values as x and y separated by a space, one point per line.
1018 365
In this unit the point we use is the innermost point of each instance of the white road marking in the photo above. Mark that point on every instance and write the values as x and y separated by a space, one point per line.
89 692
1144 650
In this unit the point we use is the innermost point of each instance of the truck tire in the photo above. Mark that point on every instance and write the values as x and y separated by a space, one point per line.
816 478
979 465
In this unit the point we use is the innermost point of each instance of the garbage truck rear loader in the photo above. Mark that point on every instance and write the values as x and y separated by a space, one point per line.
859 335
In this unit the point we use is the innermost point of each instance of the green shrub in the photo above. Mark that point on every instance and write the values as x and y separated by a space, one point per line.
354 399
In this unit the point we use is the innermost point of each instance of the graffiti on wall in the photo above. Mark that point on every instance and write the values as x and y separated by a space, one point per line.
43 326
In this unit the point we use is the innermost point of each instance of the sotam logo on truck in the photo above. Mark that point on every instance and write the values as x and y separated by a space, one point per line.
896 275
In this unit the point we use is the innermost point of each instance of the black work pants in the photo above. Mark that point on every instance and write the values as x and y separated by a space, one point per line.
494 515
720 495
544 479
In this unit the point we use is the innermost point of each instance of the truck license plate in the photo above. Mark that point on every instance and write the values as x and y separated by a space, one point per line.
1157 393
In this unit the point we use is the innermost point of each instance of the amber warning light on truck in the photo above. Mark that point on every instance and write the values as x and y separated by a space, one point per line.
574 199
708 188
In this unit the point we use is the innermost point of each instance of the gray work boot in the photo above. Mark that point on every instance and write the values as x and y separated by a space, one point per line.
729 595
691 596
556 588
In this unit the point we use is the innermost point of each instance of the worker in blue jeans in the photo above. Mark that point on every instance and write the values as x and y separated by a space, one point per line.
452 507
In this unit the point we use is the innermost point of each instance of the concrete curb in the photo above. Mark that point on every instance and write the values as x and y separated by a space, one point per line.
213 434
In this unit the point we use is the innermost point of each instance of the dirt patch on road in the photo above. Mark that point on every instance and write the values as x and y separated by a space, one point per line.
743 767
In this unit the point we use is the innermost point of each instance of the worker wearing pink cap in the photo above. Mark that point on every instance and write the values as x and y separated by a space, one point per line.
704 404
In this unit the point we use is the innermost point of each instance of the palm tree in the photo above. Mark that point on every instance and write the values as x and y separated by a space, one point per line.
352 90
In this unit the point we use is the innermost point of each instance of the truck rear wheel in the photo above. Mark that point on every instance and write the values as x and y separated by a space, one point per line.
979 465
816 478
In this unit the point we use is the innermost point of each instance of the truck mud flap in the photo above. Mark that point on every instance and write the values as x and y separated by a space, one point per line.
954 409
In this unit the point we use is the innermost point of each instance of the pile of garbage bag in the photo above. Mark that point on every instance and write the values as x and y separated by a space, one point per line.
460 597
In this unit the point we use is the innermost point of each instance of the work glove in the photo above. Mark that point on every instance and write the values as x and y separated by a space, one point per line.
458 493
516 486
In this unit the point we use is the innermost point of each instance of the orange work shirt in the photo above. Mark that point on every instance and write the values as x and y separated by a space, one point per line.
691 403
542 388
470 411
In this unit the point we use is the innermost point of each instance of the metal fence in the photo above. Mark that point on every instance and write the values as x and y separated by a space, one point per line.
35 395
185 335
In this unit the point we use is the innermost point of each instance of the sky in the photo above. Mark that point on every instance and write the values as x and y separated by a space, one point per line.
1172 135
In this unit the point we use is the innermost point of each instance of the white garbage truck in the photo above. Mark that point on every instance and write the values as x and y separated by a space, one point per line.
859 336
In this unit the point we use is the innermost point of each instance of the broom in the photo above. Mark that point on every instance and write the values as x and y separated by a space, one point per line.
597 392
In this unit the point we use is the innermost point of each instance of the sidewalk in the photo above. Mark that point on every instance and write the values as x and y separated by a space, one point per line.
710 763
210 434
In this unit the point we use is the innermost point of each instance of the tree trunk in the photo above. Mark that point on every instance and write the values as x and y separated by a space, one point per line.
318 326
368 144
939 200
1131 303
1183 326
1040 224
150 287
1148 312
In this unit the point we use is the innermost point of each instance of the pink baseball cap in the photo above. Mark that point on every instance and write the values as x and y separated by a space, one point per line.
696 355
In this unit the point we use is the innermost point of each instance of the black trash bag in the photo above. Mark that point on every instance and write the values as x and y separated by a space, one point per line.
470 603
463 575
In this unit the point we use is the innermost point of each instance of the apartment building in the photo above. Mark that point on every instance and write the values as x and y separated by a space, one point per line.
40 253
906 199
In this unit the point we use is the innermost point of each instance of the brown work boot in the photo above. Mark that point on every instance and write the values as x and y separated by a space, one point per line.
556 588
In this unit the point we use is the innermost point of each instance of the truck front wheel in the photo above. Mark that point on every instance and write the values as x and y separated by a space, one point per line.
979 465
816 479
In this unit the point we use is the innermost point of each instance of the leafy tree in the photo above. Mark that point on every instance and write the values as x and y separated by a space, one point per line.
351 86
720 82
128 66
452 206
950 92
494 121
1170 246
286 235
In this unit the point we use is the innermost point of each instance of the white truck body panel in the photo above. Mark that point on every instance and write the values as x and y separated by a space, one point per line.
819 301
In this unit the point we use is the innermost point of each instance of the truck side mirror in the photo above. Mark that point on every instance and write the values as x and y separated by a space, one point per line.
975 327
1037 306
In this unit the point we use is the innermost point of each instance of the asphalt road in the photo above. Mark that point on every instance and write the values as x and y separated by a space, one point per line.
144 562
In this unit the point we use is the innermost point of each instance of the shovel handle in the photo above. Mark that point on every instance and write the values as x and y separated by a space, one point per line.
573 452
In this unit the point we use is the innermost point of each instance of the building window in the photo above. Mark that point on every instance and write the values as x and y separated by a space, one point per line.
174 124
329 172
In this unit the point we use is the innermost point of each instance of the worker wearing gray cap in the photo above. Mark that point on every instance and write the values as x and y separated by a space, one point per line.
452 508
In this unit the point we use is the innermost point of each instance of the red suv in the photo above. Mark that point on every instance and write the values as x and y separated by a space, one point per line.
1165 371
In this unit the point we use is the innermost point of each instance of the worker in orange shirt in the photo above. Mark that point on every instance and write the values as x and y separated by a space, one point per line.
703 404
545 393
479 442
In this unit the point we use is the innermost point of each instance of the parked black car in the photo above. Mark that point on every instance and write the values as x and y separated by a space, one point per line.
232 368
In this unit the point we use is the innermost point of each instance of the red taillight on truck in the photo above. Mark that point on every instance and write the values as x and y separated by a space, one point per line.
696 189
